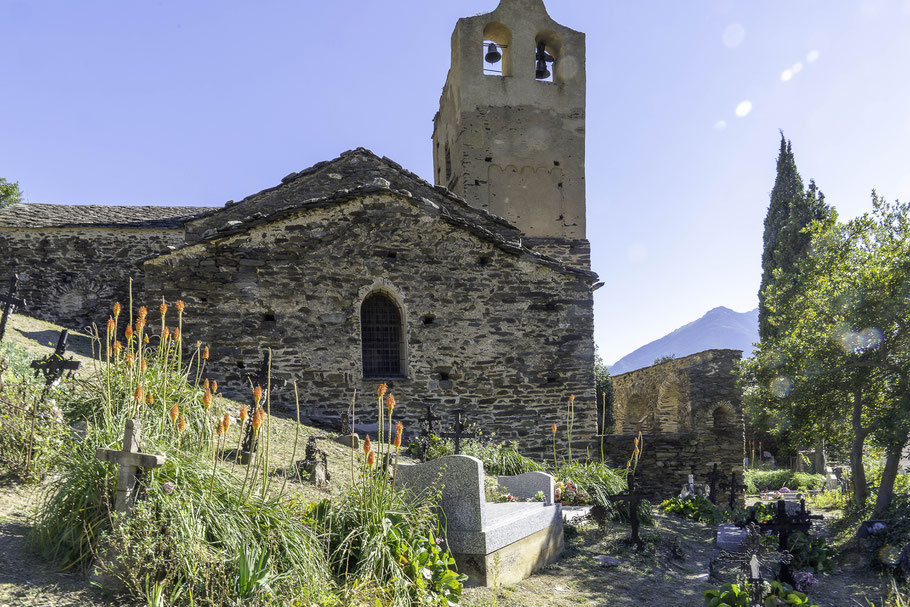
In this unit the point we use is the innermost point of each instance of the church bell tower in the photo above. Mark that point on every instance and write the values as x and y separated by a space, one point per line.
509 136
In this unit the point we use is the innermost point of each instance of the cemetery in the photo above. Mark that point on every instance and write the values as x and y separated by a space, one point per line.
360 388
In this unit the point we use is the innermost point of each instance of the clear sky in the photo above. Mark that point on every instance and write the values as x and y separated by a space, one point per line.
173 102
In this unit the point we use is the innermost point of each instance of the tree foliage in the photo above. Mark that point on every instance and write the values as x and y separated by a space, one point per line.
604 387
841 349
9 192
785 240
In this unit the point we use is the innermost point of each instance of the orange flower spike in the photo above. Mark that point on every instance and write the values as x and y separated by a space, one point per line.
258 418
205 384
150 400
143 312
205 353
371 459
117 347
179 305
399 428
571 398
140 323
390 403
181 424
174 413
130 359
165 333
207 399
554 428
635 441
144 365
128 332
111 325
383 388
367 445
243 413
177 334
220 429
139 394
146 339
214 385
117 308
163 307
226 420
257 395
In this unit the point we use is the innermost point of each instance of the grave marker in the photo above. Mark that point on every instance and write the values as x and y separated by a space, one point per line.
10 302
713 477
633 499
427 431
258 378
130 458
458 429
53 367
733 486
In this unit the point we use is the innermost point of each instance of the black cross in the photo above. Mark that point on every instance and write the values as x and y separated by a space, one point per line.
783 525
427 431
9 303
713 477
633 499
53 367
733 486
458 427
259 378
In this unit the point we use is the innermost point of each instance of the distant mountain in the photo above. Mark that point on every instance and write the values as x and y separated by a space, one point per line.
719 328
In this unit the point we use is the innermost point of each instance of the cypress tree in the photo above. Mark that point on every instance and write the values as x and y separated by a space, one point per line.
790 211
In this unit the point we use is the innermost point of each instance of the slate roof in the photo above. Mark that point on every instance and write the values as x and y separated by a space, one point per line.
353 174
34 215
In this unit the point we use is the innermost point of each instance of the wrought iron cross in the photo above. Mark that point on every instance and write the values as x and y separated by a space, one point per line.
733 486
713 477
53 367
259 378
459 428
427 431
130 458
633 499
10 302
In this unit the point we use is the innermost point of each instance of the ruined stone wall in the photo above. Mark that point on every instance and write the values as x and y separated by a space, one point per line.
495 332
72 276
690 412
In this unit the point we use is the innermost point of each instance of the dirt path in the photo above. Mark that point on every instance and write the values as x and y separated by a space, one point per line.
26 578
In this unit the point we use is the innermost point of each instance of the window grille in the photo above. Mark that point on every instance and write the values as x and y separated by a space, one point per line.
381 336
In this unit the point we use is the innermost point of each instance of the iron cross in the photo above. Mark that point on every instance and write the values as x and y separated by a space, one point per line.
427 431
713 477
54 366
458 427
10 302
733 486
633 499
130 458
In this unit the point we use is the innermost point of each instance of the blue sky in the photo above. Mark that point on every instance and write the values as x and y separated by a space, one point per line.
202 102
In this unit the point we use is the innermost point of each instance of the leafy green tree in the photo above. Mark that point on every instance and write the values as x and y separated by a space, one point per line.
785 239
664 359
842 350
9 193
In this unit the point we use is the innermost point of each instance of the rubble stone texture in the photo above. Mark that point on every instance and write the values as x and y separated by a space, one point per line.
689 411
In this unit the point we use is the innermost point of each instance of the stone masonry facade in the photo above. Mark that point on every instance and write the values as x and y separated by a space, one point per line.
497 332
689 412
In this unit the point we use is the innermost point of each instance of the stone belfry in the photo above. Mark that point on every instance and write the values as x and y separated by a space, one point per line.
509 136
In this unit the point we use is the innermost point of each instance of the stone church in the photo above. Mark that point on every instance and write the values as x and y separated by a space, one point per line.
471 293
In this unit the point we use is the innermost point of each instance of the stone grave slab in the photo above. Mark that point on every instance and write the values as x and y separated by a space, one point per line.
491 542
731 538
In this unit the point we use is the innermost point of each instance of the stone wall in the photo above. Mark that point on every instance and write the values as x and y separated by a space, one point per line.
72 276
494 331
690 413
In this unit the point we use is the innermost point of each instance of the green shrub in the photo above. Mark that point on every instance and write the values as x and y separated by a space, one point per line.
812 554
737 595
694 507
771 480
499 459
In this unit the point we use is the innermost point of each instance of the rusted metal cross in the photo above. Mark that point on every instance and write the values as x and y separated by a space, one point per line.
458 429
130 459
9 302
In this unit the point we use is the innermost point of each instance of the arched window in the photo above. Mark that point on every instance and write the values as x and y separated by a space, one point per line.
722 417
496 51
381 337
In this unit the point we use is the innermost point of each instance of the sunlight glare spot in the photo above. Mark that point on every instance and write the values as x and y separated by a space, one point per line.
720 125
786 75
781 386
733 35
743 108
797 67
812 57
871 338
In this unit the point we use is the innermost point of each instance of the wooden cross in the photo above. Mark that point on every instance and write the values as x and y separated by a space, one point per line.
713 477
130 457
633 499
458 427
9 303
